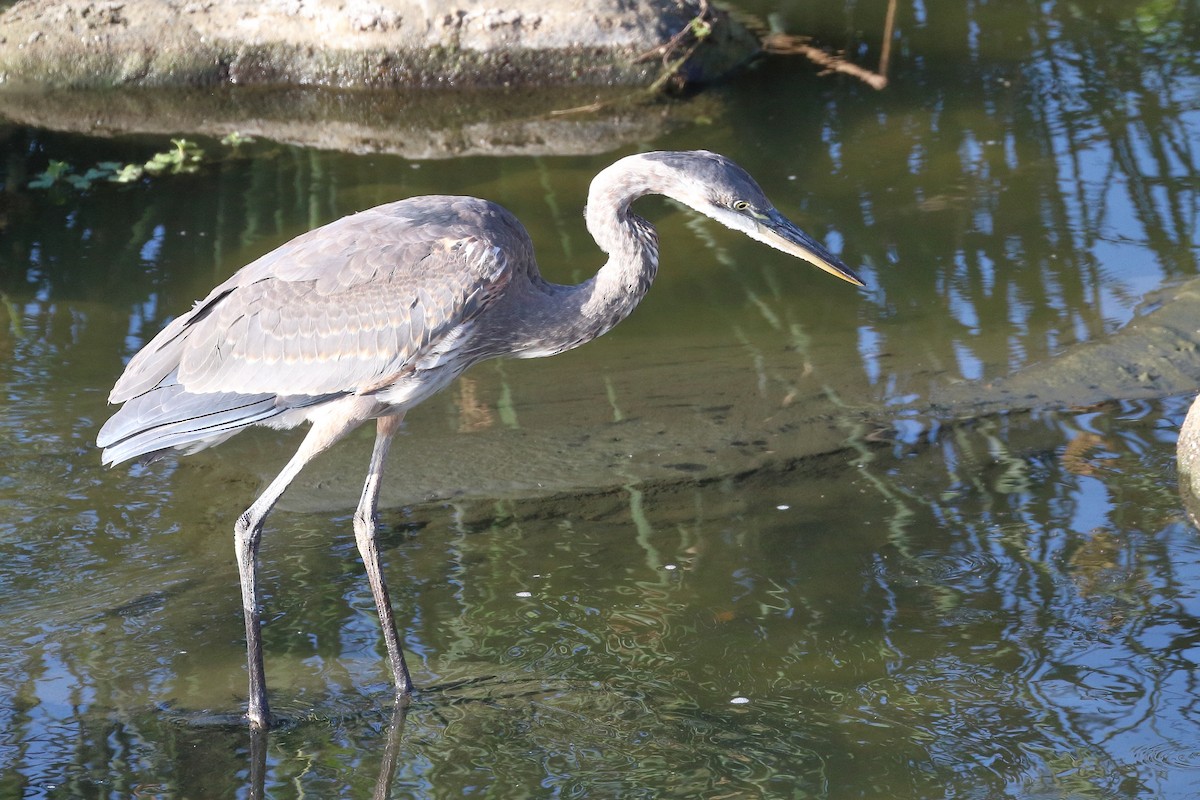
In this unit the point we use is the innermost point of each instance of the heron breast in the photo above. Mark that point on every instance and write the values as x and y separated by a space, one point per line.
413 387
431 370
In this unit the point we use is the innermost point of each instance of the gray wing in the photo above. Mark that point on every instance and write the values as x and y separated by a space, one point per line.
343 308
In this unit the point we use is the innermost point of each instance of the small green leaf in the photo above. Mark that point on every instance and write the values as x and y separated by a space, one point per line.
58 168
160 162
55 170
128 174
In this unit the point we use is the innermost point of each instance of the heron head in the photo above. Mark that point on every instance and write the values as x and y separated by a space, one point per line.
720 189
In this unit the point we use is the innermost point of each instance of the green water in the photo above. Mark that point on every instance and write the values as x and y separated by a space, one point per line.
731 549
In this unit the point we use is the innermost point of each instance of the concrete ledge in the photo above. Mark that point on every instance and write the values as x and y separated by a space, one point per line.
364 43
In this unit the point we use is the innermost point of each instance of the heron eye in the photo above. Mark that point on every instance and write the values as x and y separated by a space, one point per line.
741 205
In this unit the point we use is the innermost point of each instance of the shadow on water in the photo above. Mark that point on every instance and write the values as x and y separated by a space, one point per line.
729 550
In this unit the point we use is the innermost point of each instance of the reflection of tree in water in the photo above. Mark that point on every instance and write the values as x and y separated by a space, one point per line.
1051 584
994 610
1021 181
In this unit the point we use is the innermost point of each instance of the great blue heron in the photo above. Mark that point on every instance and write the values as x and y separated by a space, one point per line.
367 316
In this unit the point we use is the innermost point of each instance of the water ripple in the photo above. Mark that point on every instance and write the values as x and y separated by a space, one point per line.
1177 755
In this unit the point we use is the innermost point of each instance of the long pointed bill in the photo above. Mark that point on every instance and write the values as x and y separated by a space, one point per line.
778 231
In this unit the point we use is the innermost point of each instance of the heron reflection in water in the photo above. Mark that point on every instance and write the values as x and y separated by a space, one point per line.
365 317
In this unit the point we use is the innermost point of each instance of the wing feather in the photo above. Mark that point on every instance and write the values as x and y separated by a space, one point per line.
342 307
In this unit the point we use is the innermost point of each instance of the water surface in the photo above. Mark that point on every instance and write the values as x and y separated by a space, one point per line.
730 549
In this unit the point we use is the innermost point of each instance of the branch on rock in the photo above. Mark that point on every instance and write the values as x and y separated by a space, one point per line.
674 53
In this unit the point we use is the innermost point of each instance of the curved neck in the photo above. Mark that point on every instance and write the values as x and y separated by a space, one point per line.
559 318
630 241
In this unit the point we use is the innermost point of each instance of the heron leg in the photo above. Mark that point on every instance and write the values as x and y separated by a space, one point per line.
368 547
247 533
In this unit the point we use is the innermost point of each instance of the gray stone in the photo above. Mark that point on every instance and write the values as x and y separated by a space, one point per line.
366 43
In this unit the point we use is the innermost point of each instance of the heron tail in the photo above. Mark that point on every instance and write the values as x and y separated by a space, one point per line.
169 417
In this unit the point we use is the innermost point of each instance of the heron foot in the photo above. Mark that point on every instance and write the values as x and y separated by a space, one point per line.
258 722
